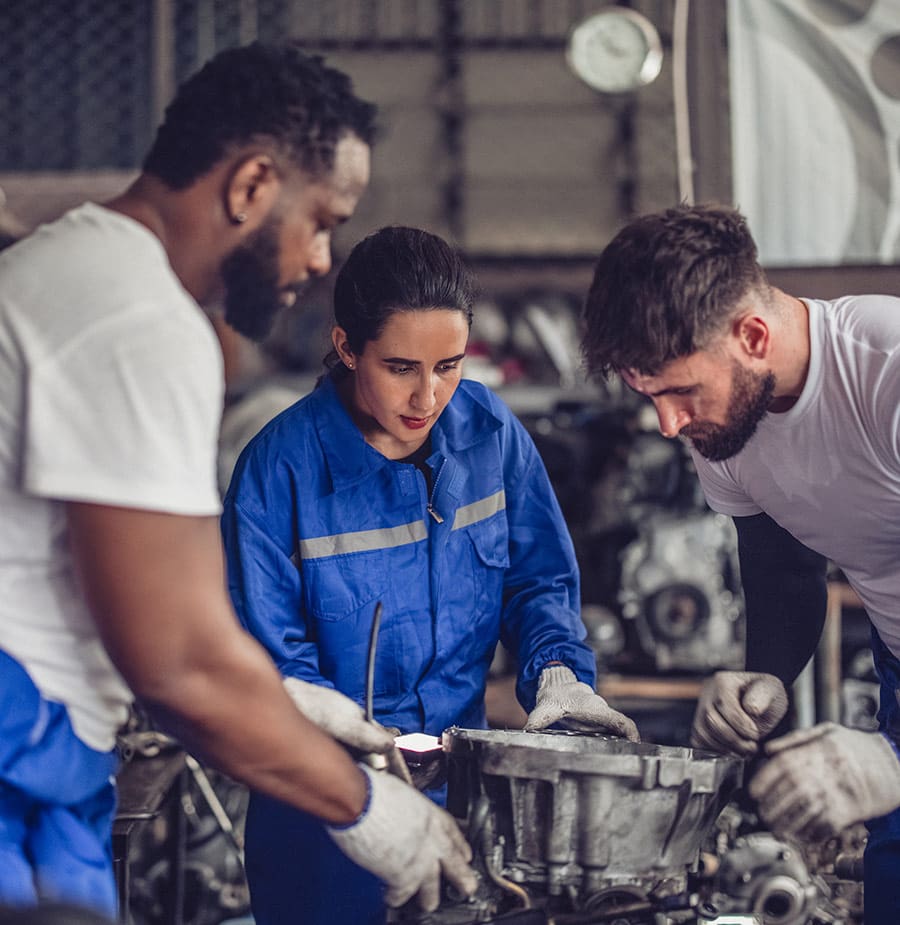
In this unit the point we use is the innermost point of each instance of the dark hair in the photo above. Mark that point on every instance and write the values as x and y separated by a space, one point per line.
272 93
666 286
393 270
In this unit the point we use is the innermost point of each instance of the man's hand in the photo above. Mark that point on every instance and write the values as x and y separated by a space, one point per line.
407 841
736 710
339 716
823 779
562 698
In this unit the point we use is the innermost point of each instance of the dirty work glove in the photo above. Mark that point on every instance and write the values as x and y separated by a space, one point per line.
407 841
339 716
823 779
736 710
562 698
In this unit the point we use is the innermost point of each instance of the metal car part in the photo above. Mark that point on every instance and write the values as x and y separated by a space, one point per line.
585 821
767 877
678 586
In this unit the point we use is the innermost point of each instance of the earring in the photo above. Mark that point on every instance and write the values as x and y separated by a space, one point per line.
240 218
349 365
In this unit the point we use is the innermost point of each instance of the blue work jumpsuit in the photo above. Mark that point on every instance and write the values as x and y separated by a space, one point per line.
319 527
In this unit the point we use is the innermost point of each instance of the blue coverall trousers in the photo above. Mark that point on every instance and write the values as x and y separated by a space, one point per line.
57 801
296 873
882 856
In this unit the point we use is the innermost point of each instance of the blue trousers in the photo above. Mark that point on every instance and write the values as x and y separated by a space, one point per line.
882 857
57 802
296 873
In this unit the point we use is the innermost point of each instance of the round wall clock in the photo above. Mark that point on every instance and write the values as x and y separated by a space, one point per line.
615 50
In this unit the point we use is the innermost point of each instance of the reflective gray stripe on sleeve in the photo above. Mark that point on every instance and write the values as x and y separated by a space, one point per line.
479 510
363 540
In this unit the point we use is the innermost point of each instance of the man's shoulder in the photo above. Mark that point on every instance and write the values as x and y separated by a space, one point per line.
89 257
865 319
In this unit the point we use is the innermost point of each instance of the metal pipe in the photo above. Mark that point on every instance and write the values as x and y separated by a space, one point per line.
163 75
215 804
828 653
370 664
805 697
683 150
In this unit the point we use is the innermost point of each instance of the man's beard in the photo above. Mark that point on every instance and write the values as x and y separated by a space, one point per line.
751 394
250 274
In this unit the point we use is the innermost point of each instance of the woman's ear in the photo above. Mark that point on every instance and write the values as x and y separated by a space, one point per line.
342 346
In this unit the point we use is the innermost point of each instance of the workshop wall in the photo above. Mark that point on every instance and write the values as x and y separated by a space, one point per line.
488 137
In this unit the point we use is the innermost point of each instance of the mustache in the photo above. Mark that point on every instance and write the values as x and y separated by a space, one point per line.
692 432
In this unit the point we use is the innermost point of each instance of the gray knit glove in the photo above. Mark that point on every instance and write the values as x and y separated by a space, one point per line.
342 718
819 781
407 841
562 698
736 710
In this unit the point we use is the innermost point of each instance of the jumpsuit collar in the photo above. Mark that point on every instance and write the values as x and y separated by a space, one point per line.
464 423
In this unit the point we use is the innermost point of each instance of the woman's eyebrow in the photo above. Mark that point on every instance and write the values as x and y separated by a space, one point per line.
406 362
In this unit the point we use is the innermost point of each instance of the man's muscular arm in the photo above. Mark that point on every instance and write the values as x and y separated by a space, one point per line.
785 591
785 594
155 584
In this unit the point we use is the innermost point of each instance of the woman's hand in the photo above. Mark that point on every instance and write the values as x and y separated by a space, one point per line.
562 698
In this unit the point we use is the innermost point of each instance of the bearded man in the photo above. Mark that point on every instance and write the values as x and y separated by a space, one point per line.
111 567
791 409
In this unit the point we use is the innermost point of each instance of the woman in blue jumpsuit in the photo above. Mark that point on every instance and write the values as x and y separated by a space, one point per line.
395 481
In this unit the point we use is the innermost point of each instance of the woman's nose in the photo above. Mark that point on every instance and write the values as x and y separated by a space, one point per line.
423 397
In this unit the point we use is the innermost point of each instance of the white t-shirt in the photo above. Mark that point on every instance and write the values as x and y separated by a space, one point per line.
828 470
111 391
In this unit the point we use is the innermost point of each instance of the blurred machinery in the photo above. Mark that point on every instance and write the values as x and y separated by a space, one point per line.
178 834
660 578
653 555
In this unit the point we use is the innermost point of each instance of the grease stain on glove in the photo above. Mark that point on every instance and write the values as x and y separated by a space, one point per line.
736 710
818 781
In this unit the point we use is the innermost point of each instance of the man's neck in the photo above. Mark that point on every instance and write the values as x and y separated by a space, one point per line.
169 215
791 363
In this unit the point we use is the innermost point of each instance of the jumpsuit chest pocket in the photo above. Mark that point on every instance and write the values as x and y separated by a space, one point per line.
487 545
334 587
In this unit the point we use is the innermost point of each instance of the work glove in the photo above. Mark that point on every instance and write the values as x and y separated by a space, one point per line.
407 841
342 718
818 781
736 710
562 698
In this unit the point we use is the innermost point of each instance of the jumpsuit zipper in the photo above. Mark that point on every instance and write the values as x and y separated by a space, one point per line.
430 506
